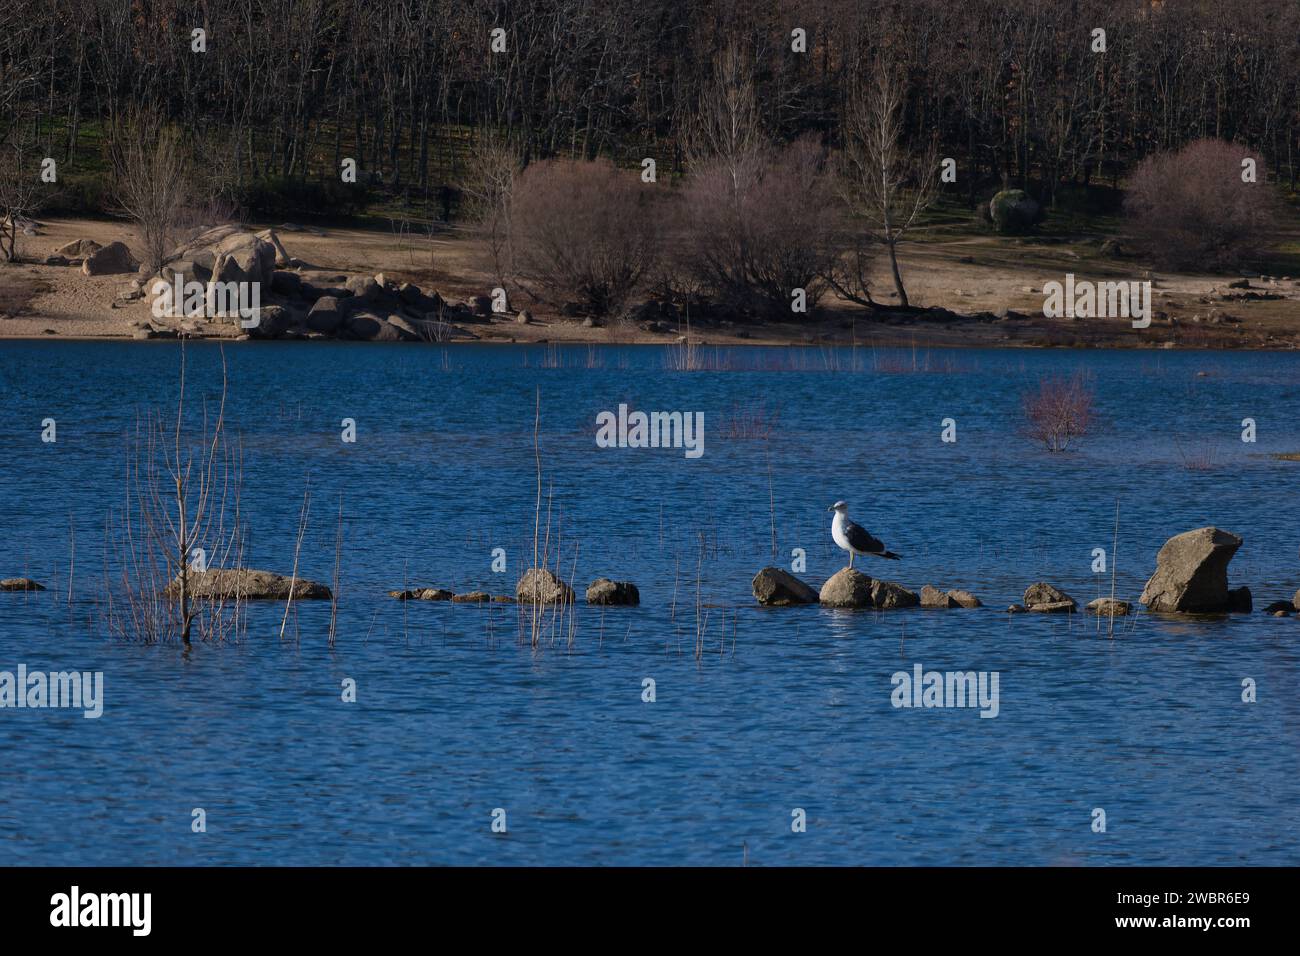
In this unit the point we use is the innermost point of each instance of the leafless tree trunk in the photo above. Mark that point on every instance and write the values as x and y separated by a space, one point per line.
151 179
891 183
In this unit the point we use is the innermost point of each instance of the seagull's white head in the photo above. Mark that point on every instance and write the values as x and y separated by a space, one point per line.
842 507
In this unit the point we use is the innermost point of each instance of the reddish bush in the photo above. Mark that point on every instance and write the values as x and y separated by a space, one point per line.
1190 208
1059 412
582 231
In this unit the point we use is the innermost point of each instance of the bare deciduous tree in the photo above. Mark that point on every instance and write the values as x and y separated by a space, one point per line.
20 193
490 185
890 181
151 181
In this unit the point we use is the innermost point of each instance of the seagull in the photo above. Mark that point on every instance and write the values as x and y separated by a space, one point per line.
854 538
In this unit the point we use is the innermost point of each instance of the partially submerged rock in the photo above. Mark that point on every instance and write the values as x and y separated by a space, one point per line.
847 587
1191 575
20 584
605 591
774 587
472 597
542 586
248 584
422 594
964 598
1280 609
933 597
1108 607
1046 598
886 595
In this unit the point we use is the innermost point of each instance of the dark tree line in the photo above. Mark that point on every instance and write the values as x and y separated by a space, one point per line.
1012 89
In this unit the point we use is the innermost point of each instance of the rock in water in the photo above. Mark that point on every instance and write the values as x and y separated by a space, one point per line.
774 587
1192 573
248 585
605 591
933 597
964 598
1108 607
473 597
1044 597
541 586
887 594
847 588
20 584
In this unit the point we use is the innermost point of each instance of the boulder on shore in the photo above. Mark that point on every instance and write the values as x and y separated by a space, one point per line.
605 591
847 587
774 587
1191 575
542 586
249 585
20 584
113 259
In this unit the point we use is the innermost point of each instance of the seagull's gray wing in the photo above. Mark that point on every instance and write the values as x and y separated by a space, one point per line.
863 542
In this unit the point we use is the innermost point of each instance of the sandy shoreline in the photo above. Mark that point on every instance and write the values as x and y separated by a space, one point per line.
989 289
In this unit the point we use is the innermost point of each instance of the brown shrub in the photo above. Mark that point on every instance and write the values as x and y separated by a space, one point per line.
757 230
1190 208
582 231
1059 412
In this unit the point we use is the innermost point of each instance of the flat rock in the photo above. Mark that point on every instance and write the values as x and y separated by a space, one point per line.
847 587
1191 573
249 585
1053 607
422 594
472 597
775 587
1108 607
20 584
605 591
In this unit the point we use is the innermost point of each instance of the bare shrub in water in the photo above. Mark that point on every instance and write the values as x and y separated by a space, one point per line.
1190 208
1059 412
181 516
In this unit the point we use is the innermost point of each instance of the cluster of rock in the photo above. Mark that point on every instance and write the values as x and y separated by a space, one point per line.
1044 598
94 259
537 586
850 588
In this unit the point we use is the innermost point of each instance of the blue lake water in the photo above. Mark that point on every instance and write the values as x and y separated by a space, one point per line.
785 708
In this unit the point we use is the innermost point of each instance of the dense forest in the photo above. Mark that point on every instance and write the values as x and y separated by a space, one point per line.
276 93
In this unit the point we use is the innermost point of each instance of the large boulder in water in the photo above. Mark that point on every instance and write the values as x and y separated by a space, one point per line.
542 586
249 585
847 588
774 587
1192 573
